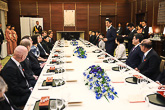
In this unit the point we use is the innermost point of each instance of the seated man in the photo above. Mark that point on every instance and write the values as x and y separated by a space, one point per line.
43 53
19 88
135 56
26 63
5 102
45 44
150 64
35 66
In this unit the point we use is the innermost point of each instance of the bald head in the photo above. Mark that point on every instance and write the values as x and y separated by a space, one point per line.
146 45
20 53
26 43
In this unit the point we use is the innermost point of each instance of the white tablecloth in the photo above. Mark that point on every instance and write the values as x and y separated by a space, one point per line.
79 92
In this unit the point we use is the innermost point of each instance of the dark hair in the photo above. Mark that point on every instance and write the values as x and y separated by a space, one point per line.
25 37
120 39
140 26
37 21
45 37
139 36
130 25
8 25
119 23
110 21
34 39
144 21
94 32
98 31
102 34
147 45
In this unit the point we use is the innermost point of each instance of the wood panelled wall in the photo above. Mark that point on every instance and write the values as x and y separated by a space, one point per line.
150 8
87 14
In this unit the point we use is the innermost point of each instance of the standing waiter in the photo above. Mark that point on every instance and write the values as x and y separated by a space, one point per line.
110 37
37 29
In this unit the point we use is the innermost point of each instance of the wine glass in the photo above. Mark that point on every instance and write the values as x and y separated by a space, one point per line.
53 105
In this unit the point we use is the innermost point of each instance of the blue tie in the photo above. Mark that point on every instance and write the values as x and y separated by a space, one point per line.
143 58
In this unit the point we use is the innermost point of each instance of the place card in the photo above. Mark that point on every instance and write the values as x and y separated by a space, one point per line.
71 81
69 69
75 103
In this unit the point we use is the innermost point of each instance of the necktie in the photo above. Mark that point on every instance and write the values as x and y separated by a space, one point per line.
143 58
20 67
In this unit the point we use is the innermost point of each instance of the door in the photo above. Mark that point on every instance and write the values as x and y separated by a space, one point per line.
103 26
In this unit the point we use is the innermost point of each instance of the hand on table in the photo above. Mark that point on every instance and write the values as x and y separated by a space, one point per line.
162 86
137 69
105 39
36 77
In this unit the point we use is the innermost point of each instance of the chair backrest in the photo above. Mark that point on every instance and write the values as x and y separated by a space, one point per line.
162 64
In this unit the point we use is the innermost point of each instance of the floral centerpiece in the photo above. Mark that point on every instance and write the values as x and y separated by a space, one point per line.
98 81
74 42
80 52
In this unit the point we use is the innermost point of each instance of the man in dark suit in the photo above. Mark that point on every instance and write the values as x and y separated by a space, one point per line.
26 64
1 36
45 44
43 53
145 29
5 102
37 29
130 36
97 38
19 88
150 65
127 31
93 37
119 29
135 55
110 37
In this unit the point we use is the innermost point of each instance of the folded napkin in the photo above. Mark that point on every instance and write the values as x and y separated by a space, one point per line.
136 98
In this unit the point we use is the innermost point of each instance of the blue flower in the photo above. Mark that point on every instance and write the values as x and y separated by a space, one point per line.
112 97
91 79
84 74
115 93
88 76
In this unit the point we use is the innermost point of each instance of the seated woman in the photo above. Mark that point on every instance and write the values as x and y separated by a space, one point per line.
120 51
139 29
34 48
45 44
101 42
5 102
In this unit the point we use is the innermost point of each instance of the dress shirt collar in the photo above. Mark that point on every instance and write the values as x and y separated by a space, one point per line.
144 27
137 45
133 30
147 52
16 62
110 27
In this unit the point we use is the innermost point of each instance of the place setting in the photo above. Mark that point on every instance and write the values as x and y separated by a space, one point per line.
47 103
110 60
121 68
97 51
102 56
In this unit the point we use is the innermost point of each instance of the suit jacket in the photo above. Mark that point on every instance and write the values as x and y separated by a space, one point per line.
127 31
18 91
92 39
45 46
110 44
96 40
130 37
145 34
28 71
1 36
150 67
34 63
4 105
119 31
135 57
42 52
39 29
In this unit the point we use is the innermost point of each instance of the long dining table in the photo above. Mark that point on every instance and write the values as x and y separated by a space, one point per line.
78 91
